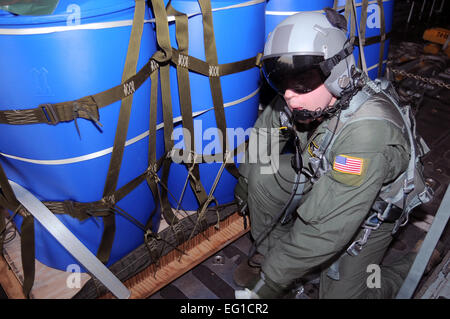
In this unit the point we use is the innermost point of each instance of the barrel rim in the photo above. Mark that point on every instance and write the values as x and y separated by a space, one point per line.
12 20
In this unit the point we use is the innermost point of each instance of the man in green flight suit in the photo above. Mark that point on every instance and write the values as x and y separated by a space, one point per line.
353 147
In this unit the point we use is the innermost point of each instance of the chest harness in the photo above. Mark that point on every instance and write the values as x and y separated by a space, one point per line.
397 199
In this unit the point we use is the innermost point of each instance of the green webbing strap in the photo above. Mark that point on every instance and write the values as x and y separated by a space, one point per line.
202 67
27 248
184 91
2 230
373 40
352 14
162 32
169 216
152 165
86 107
163 39
9 200
83 211
214 79
212 60
382 37
335 4
27 244
3 223
362 35
418 267
122 129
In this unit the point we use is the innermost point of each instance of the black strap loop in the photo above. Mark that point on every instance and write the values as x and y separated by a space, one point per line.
328 65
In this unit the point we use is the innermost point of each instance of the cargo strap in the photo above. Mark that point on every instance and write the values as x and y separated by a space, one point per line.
68 240
86 107
8 200
214 80
122 129
182 56
382 37
164 56
183 62
100 208
204 68
361 40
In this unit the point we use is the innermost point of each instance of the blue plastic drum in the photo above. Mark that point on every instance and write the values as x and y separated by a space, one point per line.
278 10
78 50
373 29
238 36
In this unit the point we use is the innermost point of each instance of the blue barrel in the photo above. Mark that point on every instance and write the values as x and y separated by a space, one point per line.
238 36
373 29
278 10
77 51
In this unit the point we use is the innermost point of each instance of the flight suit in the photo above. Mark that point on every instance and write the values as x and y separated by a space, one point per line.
329 211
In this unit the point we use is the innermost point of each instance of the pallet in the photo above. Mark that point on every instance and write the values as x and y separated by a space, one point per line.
173 265
9 282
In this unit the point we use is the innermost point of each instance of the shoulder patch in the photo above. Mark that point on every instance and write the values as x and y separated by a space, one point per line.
348 164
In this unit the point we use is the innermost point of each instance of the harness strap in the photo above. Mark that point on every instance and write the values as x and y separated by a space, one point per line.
122 129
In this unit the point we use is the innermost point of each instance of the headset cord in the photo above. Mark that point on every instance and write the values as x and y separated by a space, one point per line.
298 168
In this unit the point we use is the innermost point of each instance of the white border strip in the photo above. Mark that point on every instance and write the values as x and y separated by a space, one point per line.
89 26
129 142
289 13
107 25
376 65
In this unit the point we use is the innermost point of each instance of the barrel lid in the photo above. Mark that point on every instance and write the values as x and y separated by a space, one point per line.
66 9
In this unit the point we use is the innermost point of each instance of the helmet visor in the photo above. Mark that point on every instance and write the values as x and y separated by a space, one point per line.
300 73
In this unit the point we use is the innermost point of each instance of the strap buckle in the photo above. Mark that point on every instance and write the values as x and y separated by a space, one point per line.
50 113
355 248
373 222
258 60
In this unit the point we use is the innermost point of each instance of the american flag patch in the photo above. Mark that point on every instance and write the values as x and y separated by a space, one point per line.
347 164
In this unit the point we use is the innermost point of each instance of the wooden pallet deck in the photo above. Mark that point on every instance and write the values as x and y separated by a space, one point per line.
173 265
